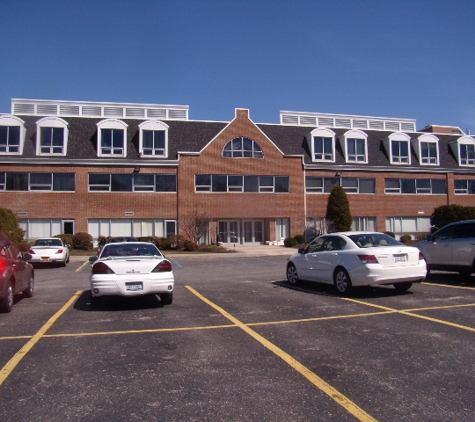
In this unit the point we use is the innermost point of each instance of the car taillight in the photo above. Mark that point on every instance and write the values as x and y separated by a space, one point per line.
31 251
368 259
101 268
421 257
3 265
163 266
60 251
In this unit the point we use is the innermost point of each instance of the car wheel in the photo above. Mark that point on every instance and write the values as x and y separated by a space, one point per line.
402 287
292 275
342 281
28 292
166 298
7 303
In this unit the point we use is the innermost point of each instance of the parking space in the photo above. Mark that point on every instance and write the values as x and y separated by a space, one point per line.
239 343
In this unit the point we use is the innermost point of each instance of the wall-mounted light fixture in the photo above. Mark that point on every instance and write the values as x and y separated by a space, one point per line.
338 173
137 170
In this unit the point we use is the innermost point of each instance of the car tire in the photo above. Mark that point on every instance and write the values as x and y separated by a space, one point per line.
342 281
6 305
402 287
30 290
292 275
166 298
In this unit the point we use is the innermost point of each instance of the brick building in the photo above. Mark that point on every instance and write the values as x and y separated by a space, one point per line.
145 169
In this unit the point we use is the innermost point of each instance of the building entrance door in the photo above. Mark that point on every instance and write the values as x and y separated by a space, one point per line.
253 231
228 231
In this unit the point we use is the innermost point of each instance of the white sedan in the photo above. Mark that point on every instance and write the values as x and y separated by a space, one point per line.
49 249
348 259
131 269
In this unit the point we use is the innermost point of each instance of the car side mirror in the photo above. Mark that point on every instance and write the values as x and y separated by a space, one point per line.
27 256
301 250
93 259
429 238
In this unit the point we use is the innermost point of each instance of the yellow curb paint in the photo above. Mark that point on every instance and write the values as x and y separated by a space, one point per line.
82 266
343 401
15 360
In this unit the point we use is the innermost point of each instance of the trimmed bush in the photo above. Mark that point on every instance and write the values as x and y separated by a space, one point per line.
391 234
190 246
82 241
405 238
290 242
177 241
10 226
66 238
300 238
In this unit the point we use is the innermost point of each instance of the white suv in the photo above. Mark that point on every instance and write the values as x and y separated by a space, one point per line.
451 248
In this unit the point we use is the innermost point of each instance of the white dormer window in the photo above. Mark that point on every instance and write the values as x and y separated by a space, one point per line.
427 149
51 136
153 140
355 146
12 135
464 151
111 138
397 148
321 143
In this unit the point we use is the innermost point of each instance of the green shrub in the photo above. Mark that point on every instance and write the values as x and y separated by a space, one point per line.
290 242
82 241
391 234
10 226
177 242
405 238
164 243
447 214
300 238
66 238
338 213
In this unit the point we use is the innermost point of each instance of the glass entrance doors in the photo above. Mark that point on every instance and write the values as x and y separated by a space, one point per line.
241 232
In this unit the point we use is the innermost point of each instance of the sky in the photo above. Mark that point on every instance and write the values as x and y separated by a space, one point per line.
403 59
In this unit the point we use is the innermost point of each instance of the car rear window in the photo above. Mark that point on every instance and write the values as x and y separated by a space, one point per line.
374 240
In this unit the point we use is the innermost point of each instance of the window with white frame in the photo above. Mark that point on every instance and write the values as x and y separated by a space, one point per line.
24 181
427 149
415 186
321 143
243 148
12 135
364 224
408 225
465 187
397 148
354 146
464 151
350 184
238 183
51 136
153 139
132 182
111 138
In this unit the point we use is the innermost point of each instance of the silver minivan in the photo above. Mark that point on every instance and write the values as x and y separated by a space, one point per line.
451 248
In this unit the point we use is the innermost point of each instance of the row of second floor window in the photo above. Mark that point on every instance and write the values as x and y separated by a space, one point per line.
354 144
391 185
136 182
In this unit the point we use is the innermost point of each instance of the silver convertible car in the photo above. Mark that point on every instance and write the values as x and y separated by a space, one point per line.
350 259
131 269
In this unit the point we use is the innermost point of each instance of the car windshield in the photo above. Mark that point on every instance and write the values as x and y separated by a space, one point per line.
130 249
48 242
372 240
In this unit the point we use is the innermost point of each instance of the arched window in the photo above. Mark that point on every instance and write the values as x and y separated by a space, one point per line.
243 148
112 138
12 135
321 143
153 139
51 136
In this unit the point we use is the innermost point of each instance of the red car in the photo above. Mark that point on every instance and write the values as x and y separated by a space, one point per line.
16 275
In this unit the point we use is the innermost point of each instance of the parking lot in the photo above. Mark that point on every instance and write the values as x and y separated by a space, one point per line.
239 344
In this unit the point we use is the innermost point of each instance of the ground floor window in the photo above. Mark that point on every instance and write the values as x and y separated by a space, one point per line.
282 229
364 224
46 227
416 227
241 231
130 227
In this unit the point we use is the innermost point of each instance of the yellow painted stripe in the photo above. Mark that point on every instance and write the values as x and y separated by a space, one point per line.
82 266
15 360
412 314
343 401
448 286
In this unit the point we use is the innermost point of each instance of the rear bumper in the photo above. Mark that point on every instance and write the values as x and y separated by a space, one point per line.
376 275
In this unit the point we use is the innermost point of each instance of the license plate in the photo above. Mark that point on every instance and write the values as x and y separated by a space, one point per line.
134 286
400 258
45 258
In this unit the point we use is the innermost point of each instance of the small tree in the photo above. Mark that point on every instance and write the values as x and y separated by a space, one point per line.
195 226
338 211
10 225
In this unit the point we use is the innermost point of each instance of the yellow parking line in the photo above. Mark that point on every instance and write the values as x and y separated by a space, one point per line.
343 401
449 286
15 360
412 314
82 266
